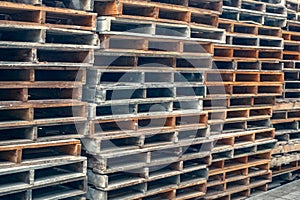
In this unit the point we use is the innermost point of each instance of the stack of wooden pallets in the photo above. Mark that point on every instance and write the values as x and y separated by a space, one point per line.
193 99
247 76
293 15
148 134
266 12
285 162
43 55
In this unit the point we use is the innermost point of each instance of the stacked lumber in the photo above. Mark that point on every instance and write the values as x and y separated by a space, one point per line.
43 55
247 76
148 135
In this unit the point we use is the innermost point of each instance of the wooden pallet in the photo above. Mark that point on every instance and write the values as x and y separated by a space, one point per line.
210 5
286 104
290 66
240 189
239 185
253 41
251 29
33 84
150 156
43 36
275 9
133 141
269 8
292 5
238 114
291 15
52 17
33 176
247 65
29 56
286 137
148 124
259 3
284 178
131 77
148 175
161 12
238 126
86 5
109 60
136 141
240 151
260 158
237 77
291 36
107 143
67 189
285 163
222 103
43 113
158 107
30 75
132 27
293 26
142 93
231 102
291 84
229 140
286 115
291 55
38 153
235 90
137 125
256 17
42 133
286 130
131 43
73 190
139 191
291 89
39 94
233 52
291 93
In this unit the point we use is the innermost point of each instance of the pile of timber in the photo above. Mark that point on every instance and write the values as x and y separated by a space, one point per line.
44 52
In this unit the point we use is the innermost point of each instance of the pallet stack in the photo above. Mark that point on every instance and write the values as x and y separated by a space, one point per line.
241 91
148 134
285 162
171 99
43 55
